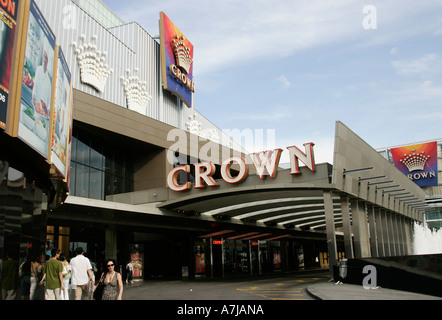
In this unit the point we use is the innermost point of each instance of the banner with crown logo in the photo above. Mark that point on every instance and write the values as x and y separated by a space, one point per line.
418 162
176 61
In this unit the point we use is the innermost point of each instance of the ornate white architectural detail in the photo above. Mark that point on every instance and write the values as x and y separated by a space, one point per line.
211 134
136 93
93 68
193 125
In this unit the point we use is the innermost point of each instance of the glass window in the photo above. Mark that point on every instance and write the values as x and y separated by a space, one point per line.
64 231
96 184
96 159
82 153
118 185
72 178
109 185
98 169
119 166
74 149
82 181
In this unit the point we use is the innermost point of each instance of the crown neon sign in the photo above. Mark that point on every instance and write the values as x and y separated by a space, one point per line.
265 162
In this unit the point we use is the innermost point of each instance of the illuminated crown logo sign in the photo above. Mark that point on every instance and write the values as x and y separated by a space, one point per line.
415 161
182 53
93 68
136 93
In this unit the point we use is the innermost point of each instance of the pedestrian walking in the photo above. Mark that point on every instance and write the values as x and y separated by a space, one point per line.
130 270
9 277
66 277
36 290
81 269
113 283
53 274
24 273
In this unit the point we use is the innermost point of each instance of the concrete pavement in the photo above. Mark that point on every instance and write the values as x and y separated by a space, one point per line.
312 284
330 291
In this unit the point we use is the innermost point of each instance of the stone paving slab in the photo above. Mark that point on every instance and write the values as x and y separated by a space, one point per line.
331 291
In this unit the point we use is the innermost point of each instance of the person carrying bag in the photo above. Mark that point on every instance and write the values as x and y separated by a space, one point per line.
98 291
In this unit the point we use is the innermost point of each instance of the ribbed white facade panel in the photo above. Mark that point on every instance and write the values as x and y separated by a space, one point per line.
131 51
69 29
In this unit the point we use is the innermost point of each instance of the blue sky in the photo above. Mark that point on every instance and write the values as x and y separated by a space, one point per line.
296 67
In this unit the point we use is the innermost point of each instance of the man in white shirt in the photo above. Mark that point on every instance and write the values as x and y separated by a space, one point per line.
81 273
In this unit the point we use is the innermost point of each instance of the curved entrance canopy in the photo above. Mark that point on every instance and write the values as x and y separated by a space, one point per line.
279 202
297 201
362 194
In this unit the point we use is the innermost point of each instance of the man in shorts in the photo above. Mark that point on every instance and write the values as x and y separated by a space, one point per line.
81 273
52 273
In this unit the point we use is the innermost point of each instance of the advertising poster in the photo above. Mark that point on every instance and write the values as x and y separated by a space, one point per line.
276 260
136 260
61 115
200 263
176 60
8 26
418 162
38 73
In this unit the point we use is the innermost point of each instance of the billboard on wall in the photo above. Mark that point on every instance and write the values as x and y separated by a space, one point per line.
137 261
34 118
418 162
176 61
61 115
8 25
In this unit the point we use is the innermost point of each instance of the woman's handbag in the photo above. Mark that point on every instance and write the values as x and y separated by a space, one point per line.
98 292
66 273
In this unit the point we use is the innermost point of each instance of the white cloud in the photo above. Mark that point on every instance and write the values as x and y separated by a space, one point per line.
323 148
429 64
394 51
338 66
284 81
226 33
270 116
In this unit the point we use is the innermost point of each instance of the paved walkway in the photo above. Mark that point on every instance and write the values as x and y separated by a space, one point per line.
250 290
330 291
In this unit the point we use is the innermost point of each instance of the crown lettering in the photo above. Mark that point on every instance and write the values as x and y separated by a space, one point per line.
415 161
93 68
182 53
136 93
